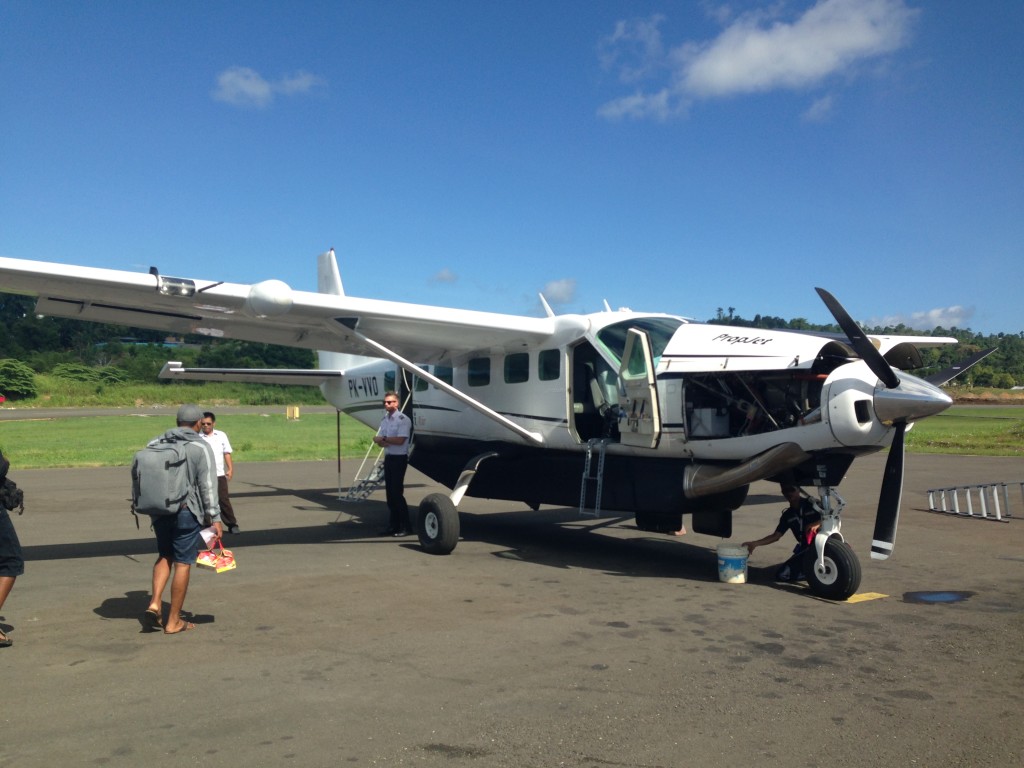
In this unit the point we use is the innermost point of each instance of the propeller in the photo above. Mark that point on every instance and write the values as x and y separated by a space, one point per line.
889 497
892 479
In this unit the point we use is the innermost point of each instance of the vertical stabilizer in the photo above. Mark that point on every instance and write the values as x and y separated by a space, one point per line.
328 276
328 280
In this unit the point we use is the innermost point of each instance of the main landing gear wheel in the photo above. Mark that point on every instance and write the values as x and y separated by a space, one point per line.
438 524
840 575
645 521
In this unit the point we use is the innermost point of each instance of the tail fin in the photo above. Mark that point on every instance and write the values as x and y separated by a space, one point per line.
328 276
329 281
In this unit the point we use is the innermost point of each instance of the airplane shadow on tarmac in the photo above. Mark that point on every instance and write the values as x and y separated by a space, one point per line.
553 537
319 499
559 538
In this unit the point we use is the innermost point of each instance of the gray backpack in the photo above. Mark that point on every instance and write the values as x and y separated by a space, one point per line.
160 481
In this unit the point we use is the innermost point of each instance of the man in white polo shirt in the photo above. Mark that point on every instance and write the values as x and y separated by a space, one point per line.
225 468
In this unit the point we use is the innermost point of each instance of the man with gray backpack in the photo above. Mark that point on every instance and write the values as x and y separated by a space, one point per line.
175 483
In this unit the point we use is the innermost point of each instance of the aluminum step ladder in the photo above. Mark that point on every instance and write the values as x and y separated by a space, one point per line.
360 490
374 479
589 477
988 495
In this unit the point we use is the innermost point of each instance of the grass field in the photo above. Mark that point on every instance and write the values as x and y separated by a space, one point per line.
982 430
111 442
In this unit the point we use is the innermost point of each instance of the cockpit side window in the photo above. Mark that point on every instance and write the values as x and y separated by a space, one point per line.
659 329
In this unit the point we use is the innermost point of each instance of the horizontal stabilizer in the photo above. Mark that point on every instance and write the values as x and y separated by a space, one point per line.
286 376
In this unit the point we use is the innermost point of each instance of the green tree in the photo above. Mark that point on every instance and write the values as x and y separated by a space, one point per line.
17 380
1003 381
247 354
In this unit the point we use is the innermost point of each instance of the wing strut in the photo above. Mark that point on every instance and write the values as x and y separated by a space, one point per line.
476 405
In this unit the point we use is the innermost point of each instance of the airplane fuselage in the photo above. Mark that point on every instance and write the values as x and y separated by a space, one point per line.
718 395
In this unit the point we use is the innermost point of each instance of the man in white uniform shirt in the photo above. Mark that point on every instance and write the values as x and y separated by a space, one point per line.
225 468
393 437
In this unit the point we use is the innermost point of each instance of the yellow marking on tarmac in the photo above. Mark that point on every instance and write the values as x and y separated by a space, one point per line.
865 596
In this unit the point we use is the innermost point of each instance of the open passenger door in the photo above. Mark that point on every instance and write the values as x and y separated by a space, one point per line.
641 425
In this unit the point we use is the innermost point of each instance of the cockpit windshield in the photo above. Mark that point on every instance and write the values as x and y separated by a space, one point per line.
659 329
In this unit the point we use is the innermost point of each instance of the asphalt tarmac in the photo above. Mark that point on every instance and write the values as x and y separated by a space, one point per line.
545 639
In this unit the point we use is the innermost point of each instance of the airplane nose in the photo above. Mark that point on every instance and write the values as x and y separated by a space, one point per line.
911 399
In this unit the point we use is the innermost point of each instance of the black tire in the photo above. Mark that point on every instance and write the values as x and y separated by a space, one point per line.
646 521
438 524
841 576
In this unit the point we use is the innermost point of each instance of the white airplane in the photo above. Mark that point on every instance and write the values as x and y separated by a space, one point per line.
618 410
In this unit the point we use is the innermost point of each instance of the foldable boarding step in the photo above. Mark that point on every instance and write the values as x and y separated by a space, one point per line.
361 490
592 477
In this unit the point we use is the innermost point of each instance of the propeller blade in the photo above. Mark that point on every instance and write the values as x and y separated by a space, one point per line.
889 498
861 343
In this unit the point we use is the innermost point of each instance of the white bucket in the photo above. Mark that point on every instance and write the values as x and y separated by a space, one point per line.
732 563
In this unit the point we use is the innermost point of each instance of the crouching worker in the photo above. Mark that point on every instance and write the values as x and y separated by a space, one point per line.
174 481
803 520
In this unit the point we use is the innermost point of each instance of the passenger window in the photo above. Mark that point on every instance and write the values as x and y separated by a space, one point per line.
479 371
517 368
420 384
549 364
389 381
444 373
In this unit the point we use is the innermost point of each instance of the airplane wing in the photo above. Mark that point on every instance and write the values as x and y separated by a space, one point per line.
269 312
904 352
886 344
948 374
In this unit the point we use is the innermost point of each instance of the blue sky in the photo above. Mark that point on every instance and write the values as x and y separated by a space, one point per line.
664 156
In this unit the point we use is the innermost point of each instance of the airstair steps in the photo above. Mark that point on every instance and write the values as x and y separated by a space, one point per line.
593 476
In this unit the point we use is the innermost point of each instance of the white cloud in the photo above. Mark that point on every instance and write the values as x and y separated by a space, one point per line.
634 49
560 291
300 82
753 55
942 317
641 105
756 52
245 87
819 111
445 276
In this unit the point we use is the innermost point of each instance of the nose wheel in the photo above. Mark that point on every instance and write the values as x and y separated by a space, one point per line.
831 567
836 575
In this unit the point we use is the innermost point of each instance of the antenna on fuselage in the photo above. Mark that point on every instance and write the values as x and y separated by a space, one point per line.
547 307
